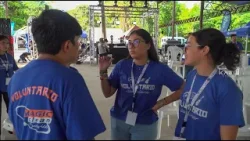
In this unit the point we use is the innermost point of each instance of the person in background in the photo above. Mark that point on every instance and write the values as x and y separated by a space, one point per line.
214 101
106 45
23 57
7 68
53 103
102 48
234 41
137 82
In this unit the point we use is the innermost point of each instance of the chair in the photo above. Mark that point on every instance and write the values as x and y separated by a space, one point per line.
175 54
171 109
244 81
8 126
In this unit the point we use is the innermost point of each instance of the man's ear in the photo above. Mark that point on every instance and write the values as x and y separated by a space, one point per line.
65 46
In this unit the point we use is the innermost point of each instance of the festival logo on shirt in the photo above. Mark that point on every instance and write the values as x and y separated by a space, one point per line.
3 66
196 112
37 120
142 88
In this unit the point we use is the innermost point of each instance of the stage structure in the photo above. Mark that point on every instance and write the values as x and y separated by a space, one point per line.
123 12
218 7
30 44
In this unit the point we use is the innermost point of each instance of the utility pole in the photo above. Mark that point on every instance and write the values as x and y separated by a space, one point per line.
103 20
6 9
173 19
201 14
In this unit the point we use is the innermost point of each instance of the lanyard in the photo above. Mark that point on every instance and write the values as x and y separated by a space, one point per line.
5 64
188 106
135 86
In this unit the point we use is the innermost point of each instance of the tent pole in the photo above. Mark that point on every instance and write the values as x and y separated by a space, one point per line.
246 44
201 14
173 19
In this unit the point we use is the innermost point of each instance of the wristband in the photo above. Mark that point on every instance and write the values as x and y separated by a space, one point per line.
102 72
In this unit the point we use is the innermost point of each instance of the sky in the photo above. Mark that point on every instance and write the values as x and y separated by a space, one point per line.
68 5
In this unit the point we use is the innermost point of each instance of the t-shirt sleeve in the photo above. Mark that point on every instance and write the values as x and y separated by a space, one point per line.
241 46
81 117
170 79
15 67
231 106
114 77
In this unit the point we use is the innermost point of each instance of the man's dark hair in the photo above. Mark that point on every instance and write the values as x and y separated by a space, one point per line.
233 35
52 28
3 37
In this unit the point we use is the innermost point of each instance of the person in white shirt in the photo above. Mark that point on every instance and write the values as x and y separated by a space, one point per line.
102 48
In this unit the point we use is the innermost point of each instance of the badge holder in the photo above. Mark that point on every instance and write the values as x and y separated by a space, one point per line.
7 81
131 118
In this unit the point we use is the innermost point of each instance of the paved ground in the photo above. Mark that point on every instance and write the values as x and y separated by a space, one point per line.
90 74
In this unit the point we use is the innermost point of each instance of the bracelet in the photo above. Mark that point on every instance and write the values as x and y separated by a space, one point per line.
103 72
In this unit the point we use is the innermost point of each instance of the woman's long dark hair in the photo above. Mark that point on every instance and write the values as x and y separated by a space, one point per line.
152 54
221 52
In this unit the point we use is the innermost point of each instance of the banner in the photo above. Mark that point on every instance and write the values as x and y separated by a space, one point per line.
226 20
12 27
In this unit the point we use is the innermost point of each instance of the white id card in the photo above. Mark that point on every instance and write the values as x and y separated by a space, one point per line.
7 81
178 138
131 118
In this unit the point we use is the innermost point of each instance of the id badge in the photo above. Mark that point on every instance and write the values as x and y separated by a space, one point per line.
7 81
131 118
178 138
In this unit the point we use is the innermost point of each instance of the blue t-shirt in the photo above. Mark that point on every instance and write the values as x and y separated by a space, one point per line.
221 103
73 69
149 89
49 101
12 66
239 45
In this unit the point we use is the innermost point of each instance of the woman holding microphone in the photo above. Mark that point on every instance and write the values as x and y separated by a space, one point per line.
137 82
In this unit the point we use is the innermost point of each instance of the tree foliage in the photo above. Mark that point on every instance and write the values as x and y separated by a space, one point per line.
20 11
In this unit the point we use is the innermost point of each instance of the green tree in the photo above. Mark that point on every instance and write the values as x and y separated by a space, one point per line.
81 13
20 11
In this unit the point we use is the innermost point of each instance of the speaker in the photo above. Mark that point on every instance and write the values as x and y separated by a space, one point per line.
5 27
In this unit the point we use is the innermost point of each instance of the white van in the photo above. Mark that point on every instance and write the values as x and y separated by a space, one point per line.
165 38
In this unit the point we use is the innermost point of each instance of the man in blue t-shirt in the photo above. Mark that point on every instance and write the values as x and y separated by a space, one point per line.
53 103
238 44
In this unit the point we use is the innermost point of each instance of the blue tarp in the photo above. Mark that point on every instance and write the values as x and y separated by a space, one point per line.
240 32
237 2
84 34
